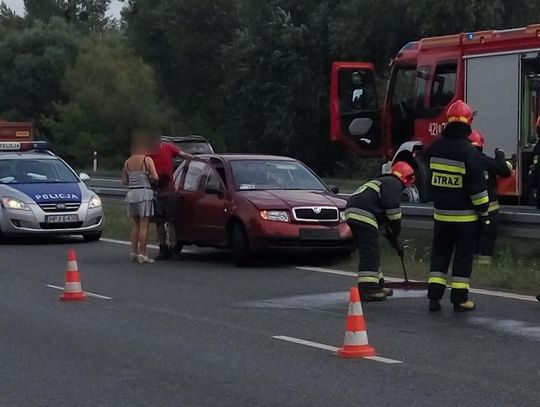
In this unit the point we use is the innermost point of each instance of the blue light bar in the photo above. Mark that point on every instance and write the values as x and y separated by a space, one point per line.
23 145
469 36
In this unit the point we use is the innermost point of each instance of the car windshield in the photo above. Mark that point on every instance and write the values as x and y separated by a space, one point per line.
26 171
194 147
258 174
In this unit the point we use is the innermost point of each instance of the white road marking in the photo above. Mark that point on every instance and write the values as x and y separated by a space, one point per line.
331 348
86 292
489 293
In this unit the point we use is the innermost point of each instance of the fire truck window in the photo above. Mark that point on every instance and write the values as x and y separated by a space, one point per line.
356 91
422 78
403 103
444 85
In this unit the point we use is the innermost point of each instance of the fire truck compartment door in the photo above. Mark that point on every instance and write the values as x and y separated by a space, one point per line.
354 115
492 89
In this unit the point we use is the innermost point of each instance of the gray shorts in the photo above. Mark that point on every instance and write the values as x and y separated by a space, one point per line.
165 207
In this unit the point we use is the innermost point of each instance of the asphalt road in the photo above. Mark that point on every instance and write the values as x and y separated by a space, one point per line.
199 332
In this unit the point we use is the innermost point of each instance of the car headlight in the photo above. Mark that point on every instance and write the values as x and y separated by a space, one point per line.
342 216
278 216
14 203
95 202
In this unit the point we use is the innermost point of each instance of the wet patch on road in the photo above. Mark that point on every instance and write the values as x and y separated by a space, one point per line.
509 327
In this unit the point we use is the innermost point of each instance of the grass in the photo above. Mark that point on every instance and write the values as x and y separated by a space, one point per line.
516 265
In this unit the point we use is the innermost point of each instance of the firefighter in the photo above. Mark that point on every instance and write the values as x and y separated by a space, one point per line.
493 168
376 204
536 166
460 199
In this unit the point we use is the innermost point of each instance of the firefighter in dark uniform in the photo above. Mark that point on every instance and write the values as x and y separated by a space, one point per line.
460 199
536 166
376 204
493 168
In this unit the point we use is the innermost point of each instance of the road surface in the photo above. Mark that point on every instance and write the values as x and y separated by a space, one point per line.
200 332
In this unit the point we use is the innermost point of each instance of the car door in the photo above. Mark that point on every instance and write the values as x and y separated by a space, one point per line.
213 205
188 183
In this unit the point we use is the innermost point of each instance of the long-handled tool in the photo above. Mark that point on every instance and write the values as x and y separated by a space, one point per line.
400 250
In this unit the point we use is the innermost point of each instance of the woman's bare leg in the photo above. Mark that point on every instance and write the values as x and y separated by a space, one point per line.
135 235
143 234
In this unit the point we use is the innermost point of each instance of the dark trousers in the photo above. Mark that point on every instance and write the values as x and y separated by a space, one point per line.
457 239
367 238
487 236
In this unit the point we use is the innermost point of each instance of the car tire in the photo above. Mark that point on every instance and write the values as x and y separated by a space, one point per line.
240 246
92 237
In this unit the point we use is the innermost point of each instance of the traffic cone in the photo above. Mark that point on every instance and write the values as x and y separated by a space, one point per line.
73 290
356 340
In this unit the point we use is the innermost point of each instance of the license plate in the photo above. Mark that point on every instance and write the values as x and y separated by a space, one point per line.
61 218
319 234
10 145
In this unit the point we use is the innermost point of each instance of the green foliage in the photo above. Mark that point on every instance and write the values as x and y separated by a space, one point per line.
33 62
111 91
88 14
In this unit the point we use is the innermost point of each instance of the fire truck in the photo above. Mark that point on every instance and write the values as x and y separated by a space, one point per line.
16 131
497 72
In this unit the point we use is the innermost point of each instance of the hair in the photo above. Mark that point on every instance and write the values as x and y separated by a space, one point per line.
142 140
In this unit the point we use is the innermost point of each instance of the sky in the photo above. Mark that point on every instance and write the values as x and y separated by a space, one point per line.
18 7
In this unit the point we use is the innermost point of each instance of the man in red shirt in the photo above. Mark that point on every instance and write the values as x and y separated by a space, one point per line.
165 198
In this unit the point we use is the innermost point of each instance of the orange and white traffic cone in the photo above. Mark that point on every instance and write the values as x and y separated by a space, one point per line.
356 340
73 290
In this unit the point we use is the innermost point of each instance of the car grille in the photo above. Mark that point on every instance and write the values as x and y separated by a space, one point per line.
316 214
60 207
68 225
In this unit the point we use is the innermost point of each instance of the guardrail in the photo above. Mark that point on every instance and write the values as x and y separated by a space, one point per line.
516 221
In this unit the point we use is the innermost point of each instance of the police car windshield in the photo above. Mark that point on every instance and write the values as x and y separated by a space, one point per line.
26 171
264 175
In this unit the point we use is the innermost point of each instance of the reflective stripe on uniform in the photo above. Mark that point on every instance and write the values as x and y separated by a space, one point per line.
460 283
455 216
369 277
393 214
480 198
493 206
444 164
374 185
437 278
361 215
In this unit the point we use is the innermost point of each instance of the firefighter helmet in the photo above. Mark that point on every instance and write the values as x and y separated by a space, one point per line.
404 172
477 139
459 111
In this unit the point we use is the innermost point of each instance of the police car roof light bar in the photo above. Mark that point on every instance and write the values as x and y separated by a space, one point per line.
18 146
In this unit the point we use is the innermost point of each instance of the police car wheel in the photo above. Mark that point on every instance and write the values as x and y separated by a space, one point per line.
92 237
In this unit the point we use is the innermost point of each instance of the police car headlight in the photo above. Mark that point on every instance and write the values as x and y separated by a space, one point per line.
95 202
14 203
278 216
342 217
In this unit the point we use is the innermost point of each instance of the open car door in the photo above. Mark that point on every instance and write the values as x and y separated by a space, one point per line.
355 119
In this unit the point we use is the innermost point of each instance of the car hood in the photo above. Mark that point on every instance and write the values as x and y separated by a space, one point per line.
44 193
287 199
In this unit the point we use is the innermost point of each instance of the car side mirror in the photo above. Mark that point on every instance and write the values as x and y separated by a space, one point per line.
84 177
334 189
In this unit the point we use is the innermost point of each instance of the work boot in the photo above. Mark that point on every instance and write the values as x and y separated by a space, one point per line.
373 296
164 253
464 306
388 291
434 305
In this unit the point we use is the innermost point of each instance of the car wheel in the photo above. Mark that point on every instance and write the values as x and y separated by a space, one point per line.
92 237
240 246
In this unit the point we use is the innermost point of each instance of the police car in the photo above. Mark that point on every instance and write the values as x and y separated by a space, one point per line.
41 195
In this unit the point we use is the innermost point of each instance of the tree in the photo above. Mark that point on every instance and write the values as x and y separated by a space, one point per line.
33 62
111 92
88 14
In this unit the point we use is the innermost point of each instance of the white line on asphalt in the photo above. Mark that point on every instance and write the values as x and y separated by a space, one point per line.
490 293
331 348
86 292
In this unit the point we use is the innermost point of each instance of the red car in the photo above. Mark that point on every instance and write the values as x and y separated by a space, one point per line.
255 204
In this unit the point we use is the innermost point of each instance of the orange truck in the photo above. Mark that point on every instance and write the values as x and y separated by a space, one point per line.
497 72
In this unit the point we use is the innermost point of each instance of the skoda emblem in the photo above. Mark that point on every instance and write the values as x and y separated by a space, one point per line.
317 210
60 206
